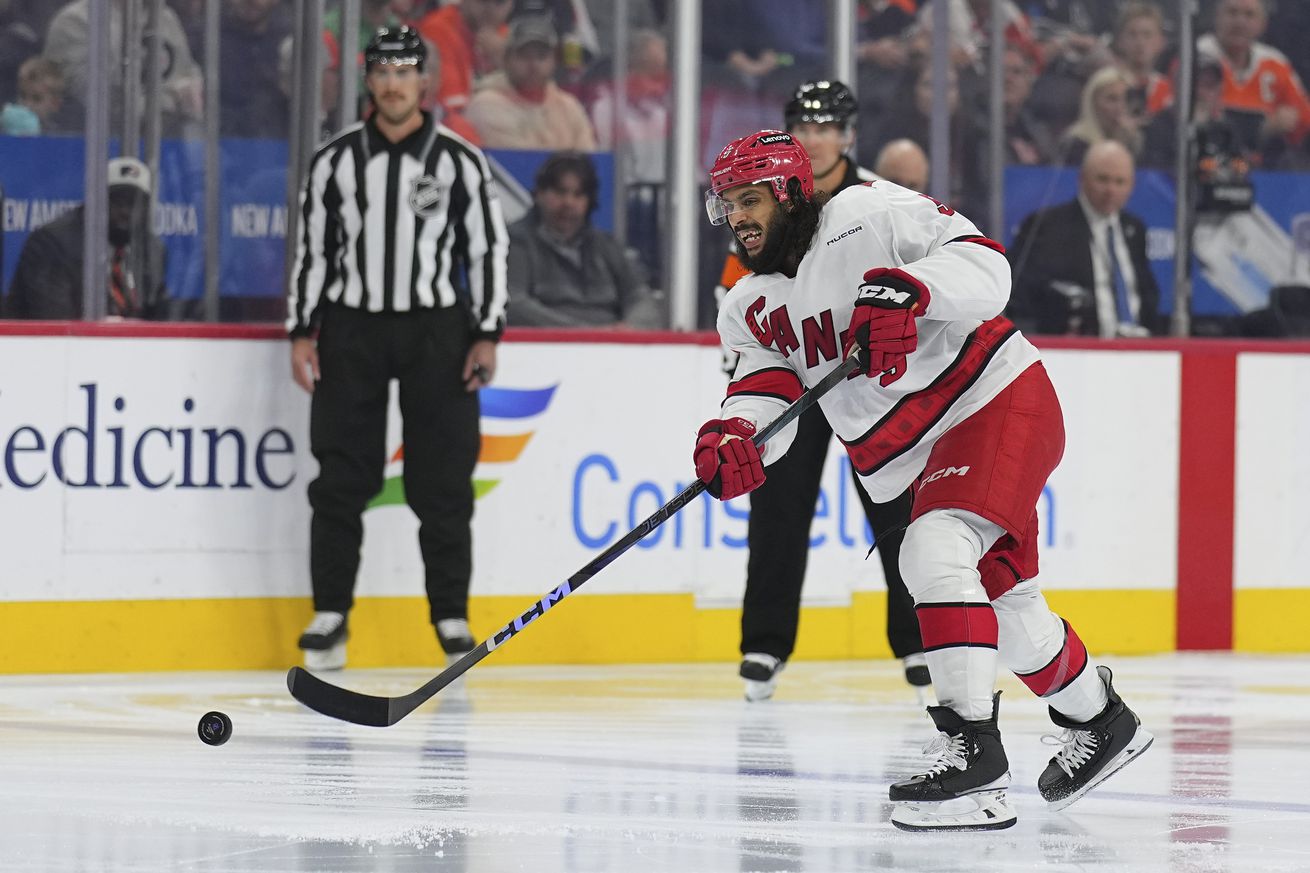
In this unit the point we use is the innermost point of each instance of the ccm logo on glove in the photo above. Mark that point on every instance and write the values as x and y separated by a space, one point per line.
883 323
726 460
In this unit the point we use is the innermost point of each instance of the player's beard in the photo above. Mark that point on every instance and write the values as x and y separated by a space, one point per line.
770 256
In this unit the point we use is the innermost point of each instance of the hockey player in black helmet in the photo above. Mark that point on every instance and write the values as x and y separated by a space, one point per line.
820 115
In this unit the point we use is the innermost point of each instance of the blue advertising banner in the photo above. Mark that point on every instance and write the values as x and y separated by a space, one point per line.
43 176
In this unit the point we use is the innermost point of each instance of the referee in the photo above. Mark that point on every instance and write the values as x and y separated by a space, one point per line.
399 274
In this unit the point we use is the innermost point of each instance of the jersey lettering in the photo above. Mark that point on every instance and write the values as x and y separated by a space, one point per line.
819 337
764 337
784 335
1267 82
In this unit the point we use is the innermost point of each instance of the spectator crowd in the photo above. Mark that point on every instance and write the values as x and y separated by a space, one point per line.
540 75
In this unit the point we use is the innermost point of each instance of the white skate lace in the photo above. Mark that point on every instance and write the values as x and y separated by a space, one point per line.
1079 746
950 750
324 623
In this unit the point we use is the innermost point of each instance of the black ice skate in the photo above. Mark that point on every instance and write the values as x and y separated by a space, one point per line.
324 641
455 637
965 789
1092 751
760 674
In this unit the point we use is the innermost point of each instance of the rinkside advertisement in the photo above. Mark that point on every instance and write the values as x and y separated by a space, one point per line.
172 468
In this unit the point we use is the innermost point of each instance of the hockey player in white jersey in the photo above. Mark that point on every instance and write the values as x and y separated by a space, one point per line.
952 401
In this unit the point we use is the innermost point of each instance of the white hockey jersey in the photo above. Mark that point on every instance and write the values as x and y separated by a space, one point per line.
790 332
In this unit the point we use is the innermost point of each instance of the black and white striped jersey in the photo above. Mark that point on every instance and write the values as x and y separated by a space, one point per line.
397 227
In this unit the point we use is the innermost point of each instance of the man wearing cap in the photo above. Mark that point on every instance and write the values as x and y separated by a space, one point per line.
47 283
522 107
400 274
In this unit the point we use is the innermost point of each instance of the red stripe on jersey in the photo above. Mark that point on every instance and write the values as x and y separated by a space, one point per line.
1063 669
944 625
778 382
985 242
916 413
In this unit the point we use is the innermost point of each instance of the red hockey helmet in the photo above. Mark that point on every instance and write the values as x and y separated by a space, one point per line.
772 156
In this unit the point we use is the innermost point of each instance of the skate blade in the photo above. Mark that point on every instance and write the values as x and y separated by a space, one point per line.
980 811
326 659
1141 742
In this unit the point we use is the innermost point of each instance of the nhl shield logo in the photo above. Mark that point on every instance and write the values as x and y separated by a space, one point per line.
425 196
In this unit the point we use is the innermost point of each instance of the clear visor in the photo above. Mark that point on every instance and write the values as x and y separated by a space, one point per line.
718 209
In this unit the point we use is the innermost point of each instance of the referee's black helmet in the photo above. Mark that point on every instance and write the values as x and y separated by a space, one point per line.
396 45
822 102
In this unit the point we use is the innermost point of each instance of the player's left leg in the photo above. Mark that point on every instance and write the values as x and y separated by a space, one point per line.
980 483
1100 733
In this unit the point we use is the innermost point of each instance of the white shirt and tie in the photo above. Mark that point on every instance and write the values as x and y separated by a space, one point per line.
1118 304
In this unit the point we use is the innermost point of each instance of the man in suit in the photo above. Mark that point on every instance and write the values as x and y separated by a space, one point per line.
1080 267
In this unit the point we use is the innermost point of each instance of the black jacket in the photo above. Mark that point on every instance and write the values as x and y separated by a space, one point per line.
1053 251
47 282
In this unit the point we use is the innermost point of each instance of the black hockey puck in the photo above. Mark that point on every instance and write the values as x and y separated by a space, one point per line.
215 728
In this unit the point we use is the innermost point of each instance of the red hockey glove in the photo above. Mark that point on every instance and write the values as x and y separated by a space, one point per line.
883 324
726 460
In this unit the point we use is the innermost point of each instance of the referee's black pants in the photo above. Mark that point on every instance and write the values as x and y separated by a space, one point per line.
359 354
778 535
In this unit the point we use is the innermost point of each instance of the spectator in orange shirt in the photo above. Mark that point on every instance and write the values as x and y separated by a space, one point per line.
470 38
1258 79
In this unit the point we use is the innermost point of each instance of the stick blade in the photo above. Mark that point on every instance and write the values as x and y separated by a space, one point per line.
336 702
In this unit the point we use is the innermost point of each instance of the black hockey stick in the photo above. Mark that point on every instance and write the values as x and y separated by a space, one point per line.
366 709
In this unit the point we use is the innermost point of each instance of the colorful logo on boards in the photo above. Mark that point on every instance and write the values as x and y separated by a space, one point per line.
515 405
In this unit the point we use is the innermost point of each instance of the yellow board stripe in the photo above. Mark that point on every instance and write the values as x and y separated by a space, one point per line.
1271 619
260 633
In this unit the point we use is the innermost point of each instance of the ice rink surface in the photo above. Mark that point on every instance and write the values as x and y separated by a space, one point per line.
626 769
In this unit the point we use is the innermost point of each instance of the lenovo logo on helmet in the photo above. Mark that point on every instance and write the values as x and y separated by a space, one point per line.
773 138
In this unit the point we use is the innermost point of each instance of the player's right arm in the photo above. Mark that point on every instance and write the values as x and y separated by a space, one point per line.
763 383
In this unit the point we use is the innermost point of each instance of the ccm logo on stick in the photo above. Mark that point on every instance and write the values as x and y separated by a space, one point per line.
946 471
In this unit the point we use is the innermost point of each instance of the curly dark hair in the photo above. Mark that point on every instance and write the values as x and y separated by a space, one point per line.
803 221
792 233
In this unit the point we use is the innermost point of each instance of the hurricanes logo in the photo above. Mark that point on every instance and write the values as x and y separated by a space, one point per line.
499 405
425 196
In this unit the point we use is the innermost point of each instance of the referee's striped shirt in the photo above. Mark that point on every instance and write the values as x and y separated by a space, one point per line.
395 227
